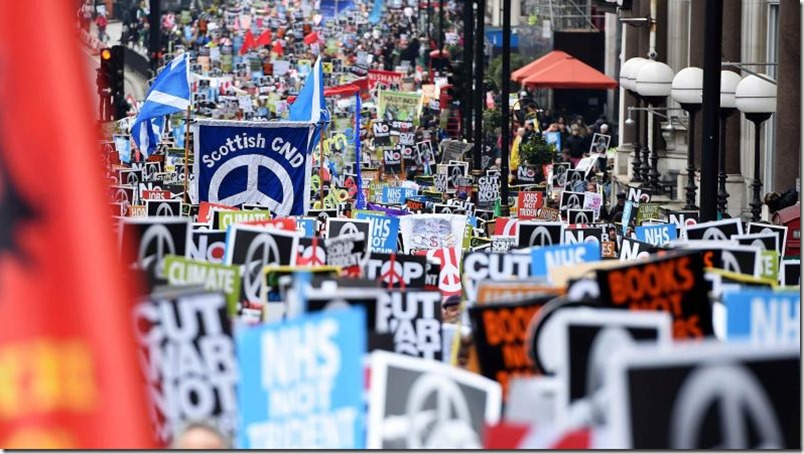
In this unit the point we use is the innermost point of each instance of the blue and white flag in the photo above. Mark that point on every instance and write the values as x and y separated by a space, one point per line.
170 93
179 132
266 163
122 145
310 106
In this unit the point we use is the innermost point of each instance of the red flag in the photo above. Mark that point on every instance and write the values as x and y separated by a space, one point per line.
69 374
248 43
310 38
278 49
264 39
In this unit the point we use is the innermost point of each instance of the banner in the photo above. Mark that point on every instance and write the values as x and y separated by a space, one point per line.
262 163
387 80
301 385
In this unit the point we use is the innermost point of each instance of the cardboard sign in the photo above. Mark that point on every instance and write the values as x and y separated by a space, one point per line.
592 235
254 248
513 290
500 331
349 251
763 241
673 283
396 195
413 318
382 133
790 272
763 316
502 243
529 203
431 231
728 256
657 235
587 338
581 216
213 276
153 239
479 266
337 227
526 174
163 208
756 227
682 218
311 252
384 232
531 234
631 249
229 217
288 401
187 359
648 211
713 394
413 390
397 270
549 214
571 200
448 260
714 230
544 258
488 187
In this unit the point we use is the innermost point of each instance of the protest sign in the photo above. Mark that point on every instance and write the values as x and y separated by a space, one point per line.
431 231
631 249
647 211
382 133
413 318
229 217
529 203
673 283
152 239
763 316
714 230
571 200
412 390
478 266
302 382
379 80
337 227
263 162
348 251
488 187
188 360
213 276
447 261
790 272
399 106
758 386
781 230
397 270
580 216
384 232
254 248
166 208
593 235
396 195
546 257
656 235
502 243
587 338
593 201
764 241
500 331
533 233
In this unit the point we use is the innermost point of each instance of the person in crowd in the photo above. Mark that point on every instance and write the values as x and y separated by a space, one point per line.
101 22
451 309
576 145
200 435
776 201
618 208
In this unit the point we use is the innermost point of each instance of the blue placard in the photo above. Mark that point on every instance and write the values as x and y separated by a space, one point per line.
301 382
627 208
656 235
306 226
397 195
263 163
384 232
763 316
546 257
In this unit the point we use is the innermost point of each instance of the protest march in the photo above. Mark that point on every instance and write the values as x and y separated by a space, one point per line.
285 244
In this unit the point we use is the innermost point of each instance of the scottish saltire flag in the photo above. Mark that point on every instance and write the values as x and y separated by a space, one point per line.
170 93
361 198
310 106
146 134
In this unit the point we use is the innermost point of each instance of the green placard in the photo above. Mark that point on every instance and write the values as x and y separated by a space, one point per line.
648 211
769 265
229 217
215 277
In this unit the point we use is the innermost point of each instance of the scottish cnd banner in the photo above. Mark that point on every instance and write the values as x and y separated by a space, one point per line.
247 162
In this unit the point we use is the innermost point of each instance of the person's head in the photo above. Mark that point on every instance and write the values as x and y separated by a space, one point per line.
620 198
591 186
520 132
604 128
772 201
451 309
575 130
200 435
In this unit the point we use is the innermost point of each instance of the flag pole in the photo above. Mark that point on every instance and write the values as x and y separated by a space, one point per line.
186 153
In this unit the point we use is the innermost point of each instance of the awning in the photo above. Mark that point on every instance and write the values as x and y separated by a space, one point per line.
537 65
569 72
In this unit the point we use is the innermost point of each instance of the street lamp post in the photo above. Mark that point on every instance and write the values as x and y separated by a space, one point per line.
628 81
756 98
506 88
653 83
728 86
687 90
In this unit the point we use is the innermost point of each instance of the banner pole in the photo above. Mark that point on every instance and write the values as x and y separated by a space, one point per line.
186 153
321 161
